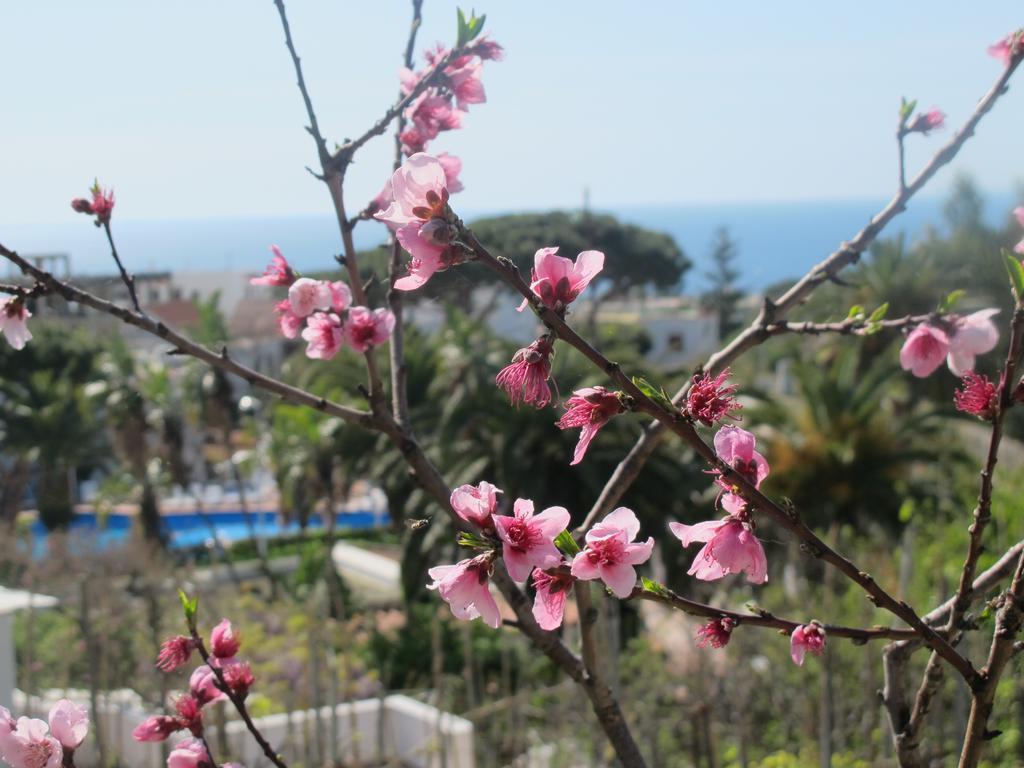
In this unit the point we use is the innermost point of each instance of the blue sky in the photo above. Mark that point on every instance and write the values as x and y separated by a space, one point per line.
190 109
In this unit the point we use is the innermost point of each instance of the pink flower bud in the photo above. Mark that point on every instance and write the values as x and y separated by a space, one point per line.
82 205
224 641
156 728
69 723
239 678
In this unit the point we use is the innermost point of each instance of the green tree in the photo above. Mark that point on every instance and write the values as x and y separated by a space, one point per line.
724 295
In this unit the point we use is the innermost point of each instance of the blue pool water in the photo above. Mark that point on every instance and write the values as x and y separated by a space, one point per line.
93 532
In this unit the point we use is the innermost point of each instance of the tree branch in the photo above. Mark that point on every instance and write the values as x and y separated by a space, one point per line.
186 346
774 311
675 422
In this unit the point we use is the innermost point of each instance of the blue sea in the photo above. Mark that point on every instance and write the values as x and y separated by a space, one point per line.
776 240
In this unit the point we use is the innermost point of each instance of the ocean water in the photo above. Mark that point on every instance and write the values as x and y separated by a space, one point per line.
775 240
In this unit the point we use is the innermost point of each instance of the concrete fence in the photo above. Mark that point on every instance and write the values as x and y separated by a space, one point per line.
394 729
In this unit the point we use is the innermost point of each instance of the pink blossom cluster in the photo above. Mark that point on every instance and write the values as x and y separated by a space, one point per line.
441 106
325 309
28 742
418 214
730 545
557 282
527 541
101 204
957 339
14 317
204 688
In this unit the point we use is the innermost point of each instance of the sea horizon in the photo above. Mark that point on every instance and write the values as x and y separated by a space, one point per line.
775 240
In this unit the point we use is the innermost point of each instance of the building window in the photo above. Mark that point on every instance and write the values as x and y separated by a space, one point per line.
676 343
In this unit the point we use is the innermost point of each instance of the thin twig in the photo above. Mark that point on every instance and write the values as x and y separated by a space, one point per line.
850 327
128 280
186 346
765 618
774 311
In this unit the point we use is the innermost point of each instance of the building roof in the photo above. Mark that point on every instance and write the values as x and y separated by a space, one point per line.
12 600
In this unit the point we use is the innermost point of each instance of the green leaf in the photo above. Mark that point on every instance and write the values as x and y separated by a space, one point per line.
856 312
660 396
473 541
468 28
879 314
907 108
1016 272
567 544
950 301
653 587
190 607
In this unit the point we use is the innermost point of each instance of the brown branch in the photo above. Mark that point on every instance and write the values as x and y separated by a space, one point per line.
313 127
848 327
399 369
185 346
1008 625
774 311
676 423
21 291
766 619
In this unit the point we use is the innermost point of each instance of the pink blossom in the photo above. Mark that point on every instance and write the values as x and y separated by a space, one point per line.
174 653
102 203
590 408
69 723
528 540
289 323
367 328
610 553
341 296
711 399
928 121
735 447
557 281
383 198
30 745
413 141
239 678
466 84
525 379
486 49
432 113
973 335
14 317
307 296
190 753
7 722
224 641
324 333
452 168
190 714
807 638
716 632
924 350
464 586
204 687
549 602
730 546
1008 47
278 273
418 184
157 728
476 503
976 396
